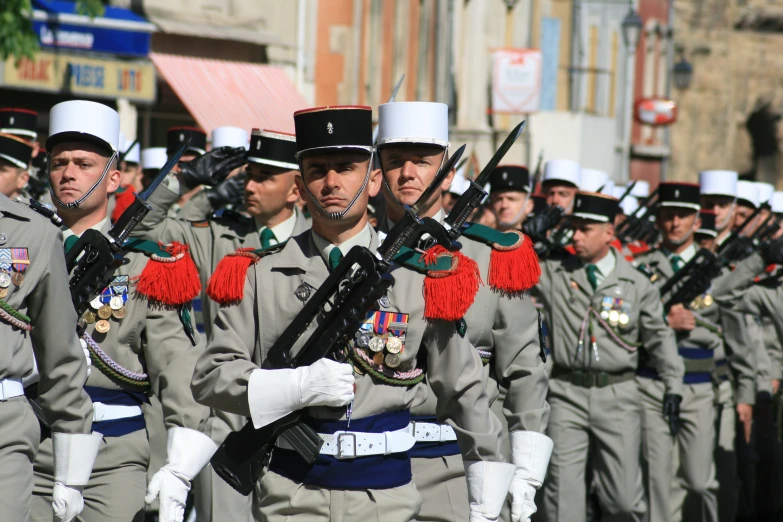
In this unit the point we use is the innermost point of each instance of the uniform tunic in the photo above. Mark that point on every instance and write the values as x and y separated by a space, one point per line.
45 298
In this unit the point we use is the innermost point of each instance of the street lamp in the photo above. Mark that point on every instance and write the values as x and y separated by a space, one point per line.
683 73
632 29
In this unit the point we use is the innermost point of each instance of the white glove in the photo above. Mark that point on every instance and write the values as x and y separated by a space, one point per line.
488 484
273 394
67 502
188 451
530 452
86 356
74 456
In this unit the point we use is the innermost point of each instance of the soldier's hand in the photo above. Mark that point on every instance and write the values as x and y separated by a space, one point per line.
228 192
775 386
681 319
536 227
671 411
213 167
745 416
326 383
67 502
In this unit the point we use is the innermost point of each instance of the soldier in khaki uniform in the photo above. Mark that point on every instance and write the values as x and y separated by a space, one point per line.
335 152
139 339
270 199
35 303
600 311
502 324
700 328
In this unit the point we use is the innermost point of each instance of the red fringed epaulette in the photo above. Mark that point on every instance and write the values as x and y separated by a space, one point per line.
513 263
449 292
170 276
227 284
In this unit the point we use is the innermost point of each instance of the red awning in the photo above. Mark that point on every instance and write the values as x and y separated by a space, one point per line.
219 93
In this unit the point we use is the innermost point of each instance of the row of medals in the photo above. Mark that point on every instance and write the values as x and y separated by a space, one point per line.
17 278
611 314
101 313
387 349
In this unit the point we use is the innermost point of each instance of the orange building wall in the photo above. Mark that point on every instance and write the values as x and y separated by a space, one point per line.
329 66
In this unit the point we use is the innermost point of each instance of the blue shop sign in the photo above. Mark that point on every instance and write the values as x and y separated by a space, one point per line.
119 31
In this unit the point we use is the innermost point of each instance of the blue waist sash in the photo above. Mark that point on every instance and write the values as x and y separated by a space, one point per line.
371 472
688 378
117 427
430 450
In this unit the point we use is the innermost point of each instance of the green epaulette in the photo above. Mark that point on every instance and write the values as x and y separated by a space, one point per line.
145 247
415 261
489 236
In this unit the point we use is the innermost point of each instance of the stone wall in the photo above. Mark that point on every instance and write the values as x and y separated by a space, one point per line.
736 49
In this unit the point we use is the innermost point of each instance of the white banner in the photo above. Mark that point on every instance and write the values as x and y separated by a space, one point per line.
516 81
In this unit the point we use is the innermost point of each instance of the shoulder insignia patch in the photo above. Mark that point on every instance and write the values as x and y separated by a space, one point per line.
227 284
513 263
200 224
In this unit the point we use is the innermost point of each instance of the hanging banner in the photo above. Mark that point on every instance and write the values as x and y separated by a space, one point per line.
516 81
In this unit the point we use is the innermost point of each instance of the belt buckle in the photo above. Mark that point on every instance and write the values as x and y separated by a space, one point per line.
342 455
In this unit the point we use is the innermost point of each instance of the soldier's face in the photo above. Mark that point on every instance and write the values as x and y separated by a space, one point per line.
560 195
75 168
269 190
741 214
410 169
723 206
12 179
510 207
334 180
677 225
591 239
131 175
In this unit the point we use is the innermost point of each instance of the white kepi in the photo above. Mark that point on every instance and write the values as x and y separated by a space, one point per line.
765 192
748 192
154 158
424 123
230 137
590 180
84 121
718 183
777 202
128 153
562 170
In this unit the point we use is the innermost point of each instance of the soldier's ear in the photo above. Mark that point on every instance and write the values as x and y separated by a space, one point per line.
293 192
374 184
529 205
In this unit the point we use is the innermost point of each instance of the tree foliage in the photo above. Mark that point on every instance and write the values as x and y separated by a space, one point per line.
17 37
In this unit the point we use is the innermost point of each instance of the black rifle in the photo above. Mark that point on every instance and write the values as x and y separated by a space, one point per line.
638 225
738 247
472 197
692 280
91 260
342 303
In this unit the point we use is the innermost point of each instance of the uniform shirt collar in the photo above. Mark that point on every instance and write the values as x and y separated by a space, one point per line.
686 255
363 238
282 231
606 265
97 226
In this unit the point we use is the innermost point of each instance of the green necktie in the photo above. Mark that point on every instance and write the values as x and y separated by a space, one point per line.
70 241
591 270
335 256
266 237
676 262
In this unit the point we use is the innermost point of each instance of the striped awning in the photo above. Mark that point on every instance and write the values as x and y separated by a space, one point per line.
219 93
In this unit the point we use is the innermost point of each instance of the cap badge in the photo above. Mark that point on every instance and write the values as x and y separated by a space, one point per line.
505 175
330 128
11 121
258 145
578 202
181 136
677 193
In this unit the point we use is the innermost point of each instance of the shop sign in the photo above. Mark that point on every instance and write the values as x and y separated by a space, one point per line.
82 76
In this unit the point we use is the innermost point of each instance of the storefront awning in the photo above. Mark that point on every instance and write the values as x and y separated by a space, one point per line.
218 92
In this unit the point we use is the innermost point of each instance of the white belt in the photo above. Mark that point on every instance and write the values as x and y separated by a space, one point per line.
11 388
352 444
431 432
106 412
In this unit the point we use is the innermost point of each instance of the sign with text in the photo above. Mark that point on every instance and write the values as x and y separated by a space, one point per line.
79 75
516 81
